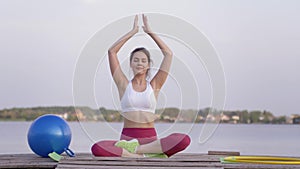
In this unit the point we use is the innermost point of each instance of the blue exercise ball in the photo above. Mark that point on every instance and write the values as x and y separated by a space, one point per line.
49 133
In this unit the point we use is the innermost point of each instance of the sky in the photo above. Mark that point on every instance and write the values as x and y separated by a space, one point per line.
257 42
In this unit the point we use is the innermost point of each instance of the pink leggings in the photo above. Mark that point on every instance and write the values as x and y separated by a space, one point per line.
171 144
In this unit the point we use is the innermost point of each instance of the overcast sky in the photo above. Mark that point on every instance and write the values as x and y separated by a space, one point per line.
257 42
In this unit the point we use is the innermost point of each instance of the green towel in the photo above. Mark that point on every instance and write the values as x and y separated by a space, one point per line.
54 156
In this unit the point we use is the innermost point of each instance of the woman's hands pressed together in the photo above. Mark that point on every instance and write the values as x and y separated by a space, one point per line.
135 28
146 26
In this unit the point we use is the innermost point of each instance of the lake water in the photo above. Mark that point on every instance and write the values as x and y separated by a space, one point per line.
247 139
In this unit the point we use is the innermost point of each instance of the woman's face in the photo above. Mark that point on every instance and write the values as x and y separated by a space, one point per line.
139 63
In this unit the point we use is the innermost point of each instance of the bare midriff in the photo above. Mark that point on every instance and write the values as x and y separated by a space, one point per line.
139 119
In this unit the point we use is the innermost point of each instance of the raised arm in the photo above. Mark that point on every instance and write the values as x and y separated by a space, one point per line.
162 74
118 75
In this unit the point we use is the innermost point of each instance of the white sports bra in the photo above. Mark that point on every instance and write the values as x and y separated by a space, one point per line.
138 101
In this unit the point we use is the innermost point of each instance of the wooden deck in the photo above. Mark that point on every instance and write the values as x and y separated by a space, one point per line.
83 160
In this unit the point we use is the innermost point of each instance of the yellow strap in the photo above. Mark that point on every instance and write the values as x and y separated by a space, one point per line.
263 159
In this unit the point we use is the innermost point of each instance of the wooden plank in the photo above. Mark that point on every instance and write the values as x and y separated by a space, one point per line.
23 165
224 153
179 161
20 160
179 157
183 158
25 161
142 163
86 160
127 167
131 164
19 156
172 165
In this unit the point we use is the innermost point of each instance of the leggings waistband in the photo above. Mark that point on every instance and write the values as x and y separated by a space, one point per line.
143 135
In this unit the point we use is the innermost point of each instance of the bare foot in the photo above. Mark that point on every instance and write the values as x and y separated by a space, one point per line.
125 153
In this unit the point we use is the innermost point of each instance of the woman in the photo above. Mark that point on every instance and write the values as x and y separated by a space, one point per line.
138 102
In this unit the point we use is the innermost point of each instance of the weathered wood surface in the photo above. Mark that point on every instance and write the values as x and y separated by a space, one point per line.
182 161
178 161
25 161
85 160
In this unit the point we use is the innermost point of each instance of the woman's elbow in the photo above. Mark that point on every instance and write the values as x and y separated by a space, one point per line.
168 53
111 52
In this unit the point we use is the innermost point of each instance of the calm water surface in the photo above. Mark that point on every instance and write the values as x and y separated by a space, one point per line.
247 139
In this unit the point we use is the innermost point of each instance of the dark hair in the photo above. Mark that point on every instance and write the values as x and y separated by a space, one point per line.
140 49
145 51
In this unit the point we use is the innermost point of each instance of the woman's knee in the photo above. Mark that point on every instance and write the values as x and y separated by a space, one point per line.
175 143
182 140
96 149
106 149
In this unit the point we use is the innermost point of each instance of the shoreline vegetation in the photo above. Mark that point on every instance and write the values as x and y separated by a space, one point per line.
166 115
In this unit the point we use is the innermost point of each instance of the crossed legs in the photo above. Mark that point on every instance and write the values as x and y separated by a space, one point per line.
169 145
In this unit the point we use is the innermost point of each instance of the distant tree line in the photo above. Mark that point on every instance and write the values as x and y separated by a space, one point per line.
71 113
243 116
29 114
